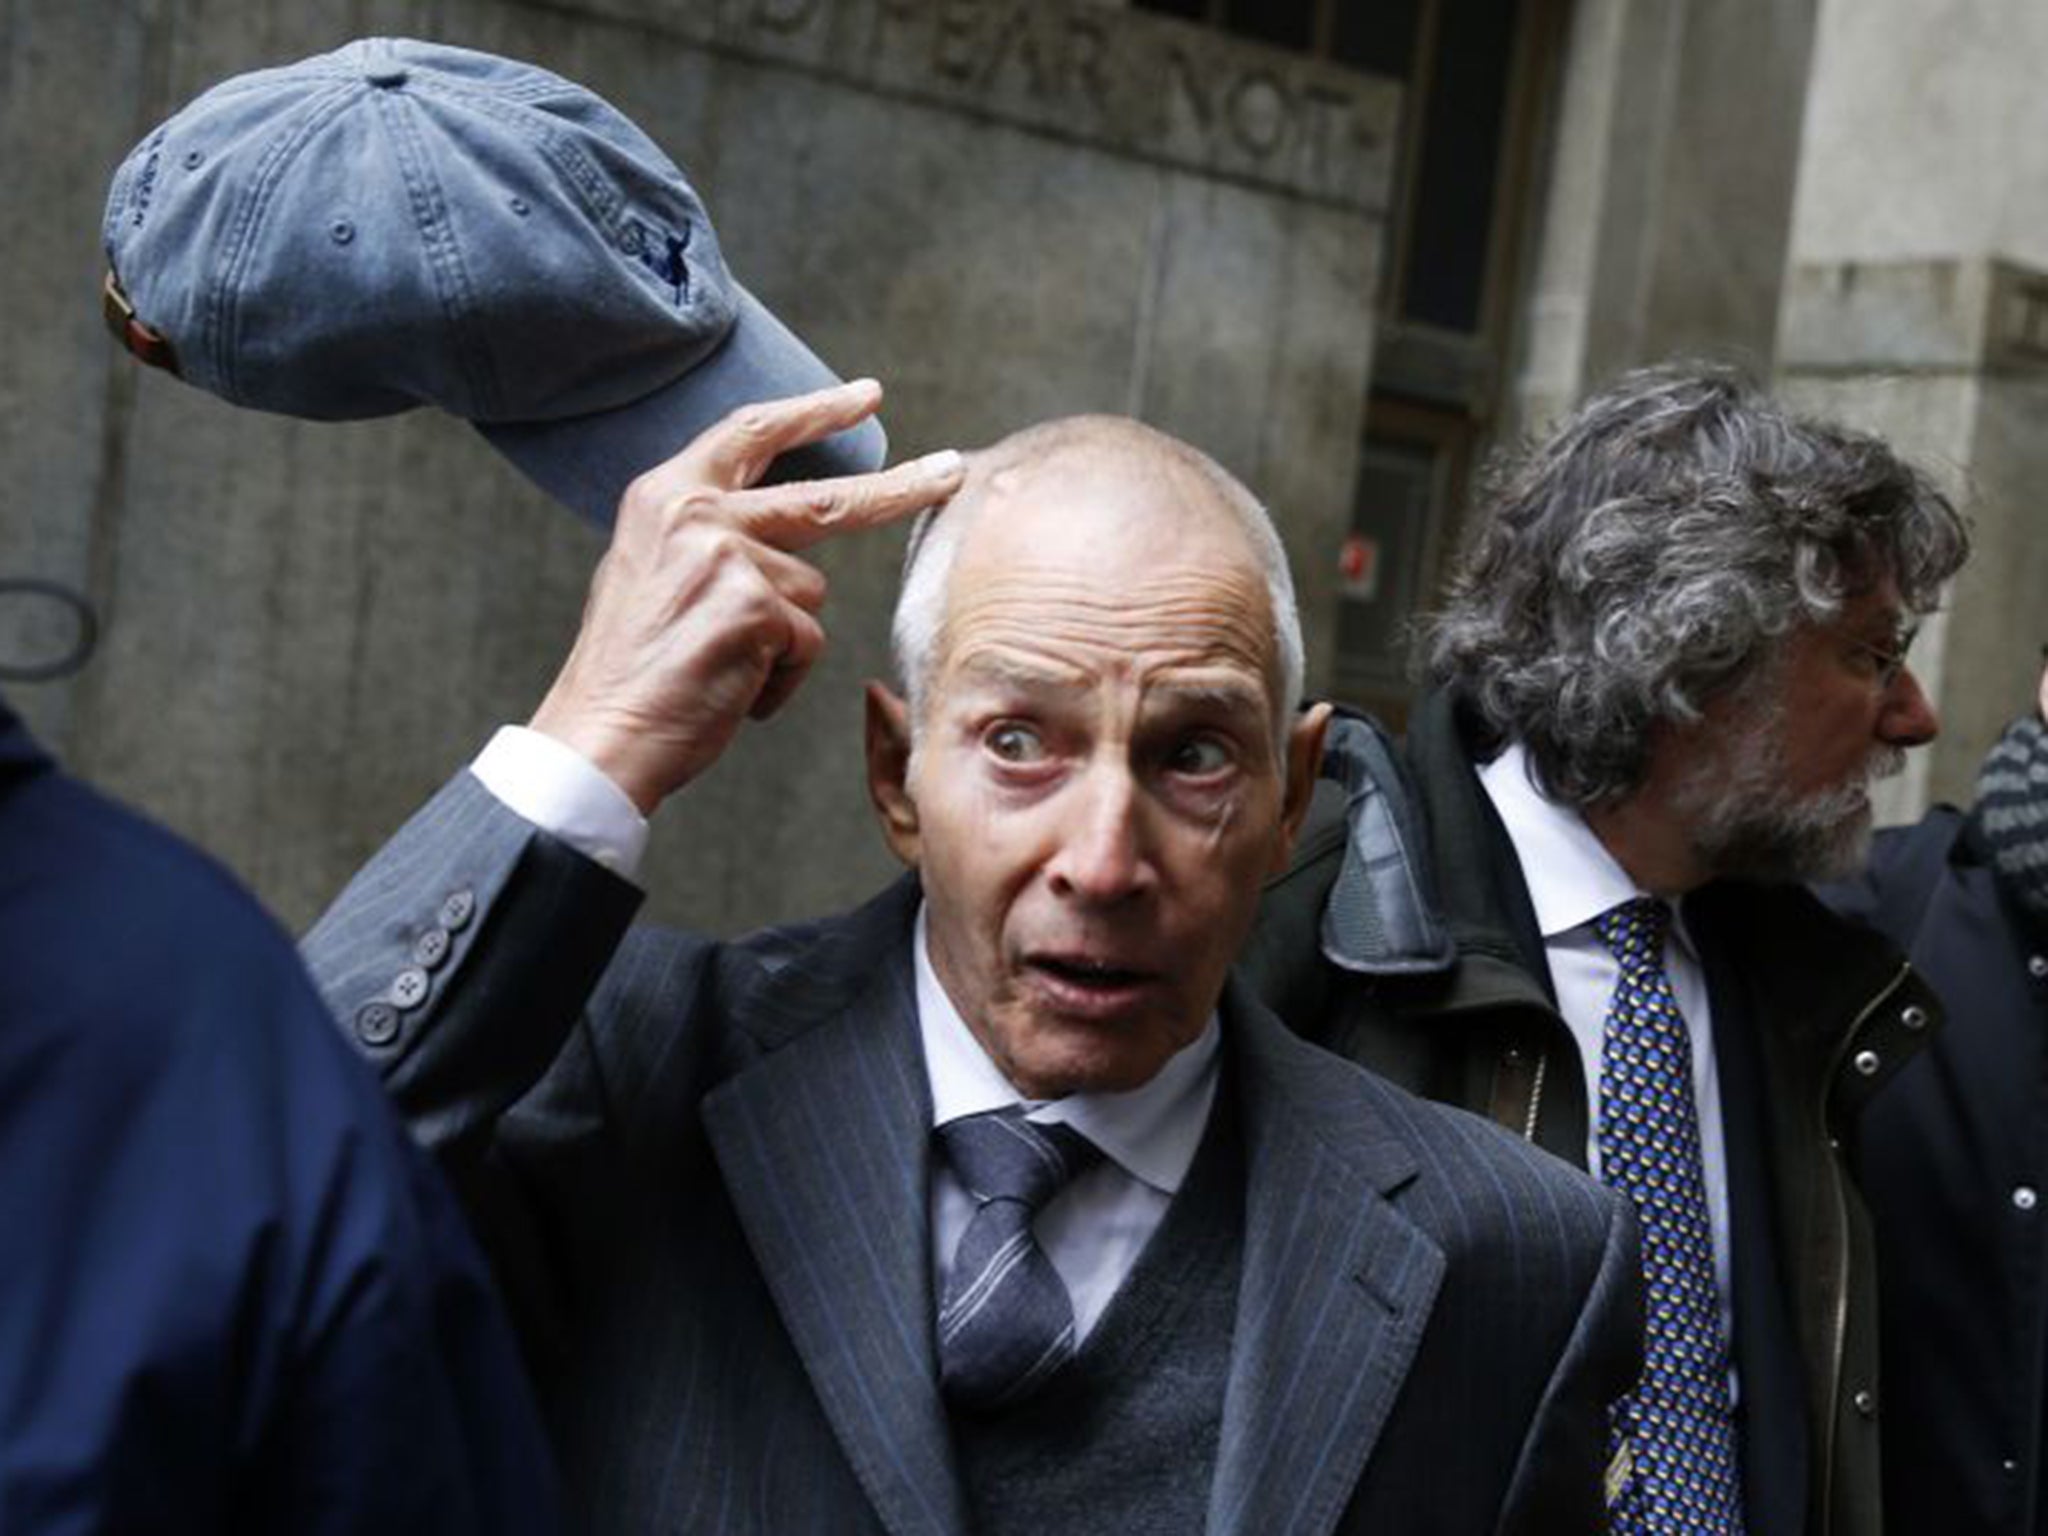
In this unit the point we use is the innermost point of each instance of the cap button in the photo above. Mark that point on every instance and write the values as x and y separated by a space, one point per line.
385 75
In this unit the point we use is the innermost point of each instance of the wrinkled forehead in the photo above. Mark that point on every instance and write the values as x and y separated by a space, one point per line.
1117 557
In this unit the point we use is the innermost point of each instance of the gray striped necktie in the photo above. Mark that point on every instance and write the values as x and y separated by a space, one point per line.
1006 1322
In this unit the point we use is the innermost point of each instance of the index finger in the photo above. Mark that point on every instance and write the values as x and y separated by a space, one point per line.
798 515
736 451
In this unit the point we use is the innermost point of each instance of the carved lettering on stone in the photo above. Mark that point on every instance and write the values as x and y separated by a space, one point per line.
1123 80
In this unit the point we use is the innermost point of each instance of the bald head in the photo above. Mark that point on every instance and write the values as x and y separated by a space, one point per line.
1071 468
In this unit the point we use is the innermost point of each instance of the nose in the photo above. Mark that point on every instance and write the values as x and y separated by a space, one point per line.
1102 859
1909 718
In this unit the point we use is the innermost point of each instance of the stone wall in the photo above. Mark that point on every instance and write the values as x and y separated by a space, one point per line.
1005 210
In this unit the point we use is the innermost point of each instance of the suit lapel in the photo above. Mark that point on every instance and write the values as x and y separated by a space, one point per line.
1336 1290
823 1147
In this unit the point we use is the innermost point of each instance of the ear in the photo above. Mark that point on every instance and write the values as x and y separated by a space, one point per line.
1304 758
888 750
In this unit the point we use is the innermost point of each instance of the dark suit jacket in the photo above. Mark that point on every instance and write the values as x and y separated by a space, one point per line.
702 1170
233 1297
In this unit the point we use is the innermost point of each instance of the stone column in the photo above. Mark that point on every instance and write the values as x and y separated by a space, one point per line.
1663 214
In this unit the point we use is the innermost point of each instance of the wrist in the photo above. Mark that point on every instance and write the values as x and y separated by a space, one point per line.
617 749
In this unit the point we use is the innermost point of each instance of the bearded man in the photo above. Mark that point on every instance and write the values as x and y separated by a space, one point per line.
1671 661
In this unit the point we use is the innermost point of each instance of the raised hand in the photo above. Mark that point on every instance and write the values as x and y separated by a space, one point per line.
700 613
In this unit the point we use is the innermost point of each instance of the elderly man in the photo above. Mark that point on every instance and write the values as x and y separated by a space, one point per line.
1671 662
990 1205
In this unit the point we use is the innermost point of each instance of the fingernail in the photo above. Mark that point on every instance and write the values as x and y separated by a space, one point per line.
942 465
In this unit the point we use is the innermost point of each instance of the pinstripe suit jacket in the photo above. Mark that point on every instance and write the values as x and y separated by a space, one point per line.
700 1169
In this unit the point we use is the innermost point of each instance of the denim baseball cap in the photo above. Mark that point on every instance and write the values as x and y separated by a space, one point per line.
402 223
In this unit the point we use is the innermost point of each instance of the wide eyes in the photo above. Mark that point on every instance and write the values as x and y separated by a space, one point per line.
1010 741
1199 757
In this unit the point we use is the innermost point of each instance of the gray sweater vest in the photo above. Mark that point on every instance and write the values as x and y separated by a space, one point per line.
1122 1441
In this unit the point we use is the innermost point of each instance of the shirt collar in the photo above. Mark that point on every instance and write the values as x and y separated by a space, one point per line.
1151 1132
1571 876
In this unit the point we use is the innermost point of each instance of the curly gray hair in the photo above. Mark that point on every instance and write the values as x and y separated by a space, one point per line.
1655 551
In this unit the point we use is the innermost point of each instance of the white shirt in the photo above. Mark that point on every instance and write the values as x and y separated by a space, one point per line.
563 792
1572 880
1094 1229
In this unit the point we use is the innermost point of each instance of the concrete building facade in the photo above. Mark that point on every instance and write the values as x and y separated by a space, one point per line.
1343 257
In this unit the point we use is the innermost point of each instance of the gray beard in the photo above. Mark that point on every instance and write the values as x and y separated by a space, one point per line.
1746 826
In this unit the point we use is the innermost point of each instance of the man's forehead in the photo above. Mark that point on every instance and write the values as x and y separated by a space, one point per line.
1100 495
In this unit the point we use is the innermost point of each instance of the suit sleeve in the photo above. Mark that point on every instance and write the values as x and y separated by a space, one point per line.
460 958
1560 1476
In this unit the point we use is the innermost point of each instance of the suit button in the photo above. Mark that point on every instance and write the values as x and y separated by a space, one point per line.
376 1023
409 988
431 948
457 910
1866 1402
1866 1063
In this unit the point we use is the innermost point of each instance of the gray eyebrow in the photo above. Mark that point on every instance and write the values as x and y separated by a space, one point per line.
1221 695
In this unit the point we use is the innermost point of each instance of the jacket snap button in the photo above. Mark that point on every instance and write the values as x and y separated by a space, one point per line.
1914 1017
1866 1402
2025 1198
2037 966
1867 1063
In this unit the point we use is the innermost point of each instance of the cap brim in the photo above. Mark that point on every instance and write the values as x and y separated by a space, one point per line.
586 462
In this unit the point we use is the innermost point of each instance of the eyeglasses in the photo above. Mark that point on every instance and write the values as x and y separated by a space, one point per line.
1888 663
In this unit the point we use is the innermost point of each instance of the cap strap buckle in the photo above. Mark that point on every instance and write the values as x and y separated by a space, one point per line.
146 343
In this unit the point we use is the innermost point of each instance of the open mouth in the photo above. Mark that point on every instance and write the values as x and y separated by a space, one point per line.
1087 986
1082 972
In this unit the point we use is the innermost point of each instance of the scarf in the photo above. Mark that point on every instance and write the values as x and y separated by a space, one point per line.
2011 813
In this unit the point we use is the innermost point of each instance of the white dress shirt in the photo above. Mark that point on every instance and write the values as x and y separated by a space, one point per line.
1572 880
562 792
1094 1229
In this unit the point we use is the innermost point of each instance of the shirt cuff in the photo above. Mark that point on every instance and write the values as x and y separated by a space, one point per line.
566 795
